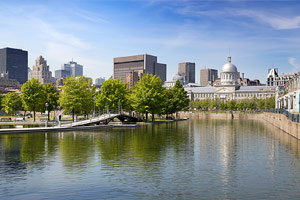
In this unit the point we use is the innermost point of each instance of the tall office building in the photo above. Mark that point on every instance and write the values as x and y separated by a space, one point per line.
187 70
61 73
14 63
69 69
41 71
208 76
145 63
99 81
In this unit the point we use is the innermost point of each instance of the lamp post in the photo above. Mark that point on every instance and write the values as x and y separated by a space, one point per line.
94 107
47 104
54 112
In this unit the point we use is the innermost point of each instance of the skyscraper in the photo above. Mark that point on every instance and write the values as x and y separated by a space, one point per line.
208 76
41 71
99 81
145 63
14 63
69 69
187 70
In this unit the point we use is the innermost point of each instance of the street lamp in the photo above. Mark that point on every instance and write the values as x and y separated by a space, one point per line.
94 107
47 104
54 112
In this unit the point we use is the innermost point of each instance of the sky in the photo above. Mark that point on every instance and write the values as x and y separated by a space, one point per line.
257 34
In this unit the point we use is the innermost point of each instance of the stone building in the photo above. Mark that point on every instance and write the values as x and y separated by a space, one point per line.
139 63
41 71
287 95
229 88
208 76
273 79
177 77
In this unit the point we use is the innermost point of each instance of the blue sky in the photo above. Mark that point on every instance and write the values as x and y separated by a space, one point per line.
258 34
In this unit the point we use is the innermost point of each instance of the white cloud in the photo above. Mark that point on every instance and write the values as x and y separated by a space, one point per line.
295 65
276 21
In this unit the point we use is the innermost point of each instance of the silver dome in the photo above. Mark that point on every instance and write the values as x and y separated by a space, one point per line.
177 77
229 67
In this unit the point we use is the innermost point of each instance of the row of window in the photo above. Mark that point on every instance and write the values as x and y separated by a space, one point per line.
211 95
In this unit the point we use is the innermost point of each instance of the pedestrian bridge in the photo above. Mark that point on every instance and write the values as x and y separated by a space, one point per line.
105 119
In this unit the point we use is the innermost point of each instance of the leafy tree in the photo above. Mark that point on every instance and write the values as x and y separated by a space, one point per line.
33 96
176 99
77 95
148 96
1 98
11 102
112 92
270 102
231 105
168 107
52 97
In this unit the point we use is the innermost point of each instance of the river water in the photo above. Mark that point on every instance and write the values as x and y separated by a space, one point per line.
194 159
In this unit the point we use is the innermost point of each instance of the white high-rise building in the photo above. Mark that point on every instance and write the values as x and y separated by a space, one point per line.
72 67
99 81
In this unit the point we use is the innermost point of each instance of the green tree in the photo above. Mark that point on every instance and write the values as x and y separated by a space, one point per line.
231 105
1 98
11 102
33 96
180 99
52 97
77 96
148 96
112 92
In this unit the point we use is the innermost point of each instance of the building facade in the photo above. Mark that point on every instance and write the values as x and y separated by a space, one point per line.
208 77
139 63
177 77
187 70
229 88
288 95
62 73
69 69
99 81
41 71
273 79
14 63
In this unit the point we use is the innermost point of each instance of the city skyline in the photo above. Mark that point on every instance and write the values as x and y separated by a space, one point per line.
258 35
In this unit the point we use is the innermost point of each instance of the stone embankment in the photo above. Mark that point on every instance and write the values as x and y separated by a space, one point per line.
278 120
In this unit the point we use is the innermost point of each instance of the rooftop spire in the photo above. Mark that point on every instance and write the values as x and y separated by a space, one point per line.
229 59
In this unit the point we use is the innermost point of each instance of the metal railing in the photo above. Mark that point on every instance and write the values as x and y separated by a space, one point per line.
291 116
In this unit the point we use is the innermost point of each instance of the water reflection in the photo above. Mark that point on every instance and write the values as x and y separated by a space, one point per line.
211 158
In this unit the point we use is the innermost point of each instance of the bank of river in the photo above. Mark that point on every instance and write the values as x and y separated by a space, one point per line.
192 159
278 120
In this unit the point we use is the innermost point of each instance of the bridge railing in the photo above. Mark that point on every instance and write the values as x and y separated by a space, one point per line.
291 116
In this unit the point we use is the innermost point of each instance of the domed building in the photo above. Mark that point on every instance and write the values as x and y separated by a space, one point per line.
230 87
176 77
229 74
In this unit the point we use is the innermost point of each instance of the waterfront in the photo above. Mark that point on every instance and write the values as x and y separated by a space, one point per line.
207 159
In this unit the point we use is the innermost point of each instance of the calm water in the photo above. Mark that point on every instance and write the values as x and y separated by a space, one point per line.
195 159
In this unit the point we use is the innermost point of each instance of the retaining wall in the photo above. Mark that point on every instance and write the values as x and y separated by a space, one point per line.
278 120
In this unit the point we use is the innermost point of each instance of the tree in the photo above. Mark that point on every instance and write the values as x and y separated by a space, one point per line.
33 96
113 92
231 105
1 98
52 97
180 99
11 102
148 96
77 95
